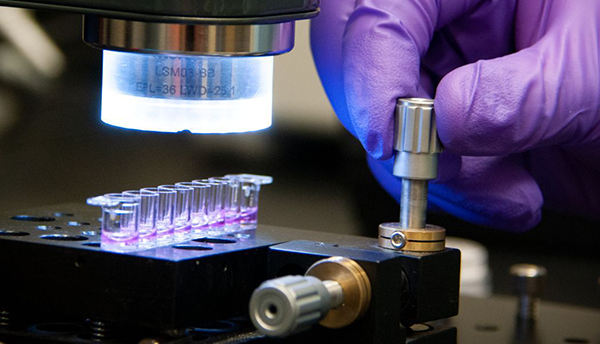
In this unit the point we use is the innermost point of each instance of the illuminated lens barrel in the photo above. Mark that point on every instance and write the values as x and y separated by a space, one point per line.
202 94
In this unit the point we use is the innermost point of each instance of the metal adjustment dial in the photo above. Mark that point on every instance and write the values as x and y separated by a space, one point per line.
335 292
417 147
290 304
416 162
416 139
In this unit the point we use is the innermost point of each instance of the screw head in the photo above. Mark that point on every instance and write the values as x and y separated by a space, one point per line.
398 240
528 279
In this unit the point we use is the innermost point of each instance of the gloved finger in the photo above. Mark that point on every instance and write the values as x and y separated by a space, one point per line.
490 191
377 39
494 192
485 33
380 48
326 32
543 95
449 166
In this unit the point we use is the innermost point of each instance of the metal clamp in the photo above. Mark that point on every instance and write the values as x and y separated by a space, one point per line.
429 239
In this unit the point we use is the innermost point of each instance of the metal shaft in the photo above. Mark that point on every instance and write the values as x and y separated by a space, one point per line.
413 203
528 307
336 293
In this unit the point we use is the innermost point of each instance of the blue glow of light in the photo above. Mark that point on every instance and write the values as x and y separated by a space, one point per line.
172 93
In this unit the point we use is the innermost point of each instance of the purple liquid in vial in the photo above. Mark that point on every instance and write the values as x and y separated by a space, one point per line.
123 239
148 233
148 238
182 232
249 216
199 220
232 221
201 229
216 221
164 235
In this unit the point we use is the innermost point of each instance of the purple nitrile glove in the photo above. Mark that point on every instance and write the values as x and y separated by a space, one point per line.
517 97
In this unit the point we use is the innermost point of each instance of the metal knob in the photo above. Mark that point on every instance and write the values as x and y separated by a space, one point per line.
335 293
416 139
417 147
528 285
292 304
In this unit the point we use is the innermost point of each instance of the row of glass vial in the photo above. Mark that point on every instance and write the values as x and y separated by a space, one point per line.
167 214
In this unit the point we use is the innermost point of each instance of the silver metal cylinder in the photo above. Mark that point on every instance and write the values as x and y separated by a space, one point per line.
336 293
416 141
413 203
417 147
528 285
288 305
194 39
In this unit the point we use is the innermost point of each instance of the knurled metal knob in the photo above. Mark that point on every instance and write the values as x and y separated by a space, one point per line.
288 305
335 292
416 140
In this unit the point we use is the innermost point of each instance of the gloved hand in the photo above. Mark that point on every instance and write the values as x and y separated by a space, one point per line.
517 97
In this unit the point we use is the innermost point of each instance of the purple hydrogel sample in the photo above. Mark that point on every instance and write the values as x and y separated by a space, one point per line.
182 232
123 240
249 216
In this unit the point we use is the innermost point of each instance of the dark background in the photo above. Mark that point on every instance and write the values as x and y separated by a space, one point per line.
58 151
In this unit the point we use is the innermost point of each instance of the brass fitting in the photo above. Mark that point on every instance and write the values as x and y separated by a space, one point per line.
394 237
355 285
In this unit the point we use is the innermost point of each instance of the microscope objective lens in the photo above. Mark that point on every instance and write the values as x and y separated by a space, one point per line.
201 94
